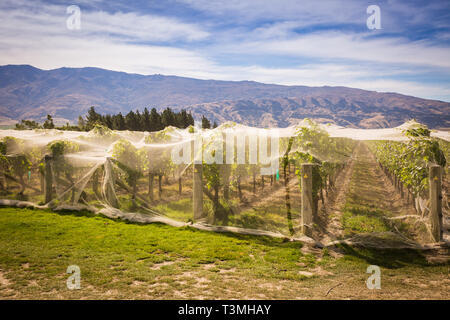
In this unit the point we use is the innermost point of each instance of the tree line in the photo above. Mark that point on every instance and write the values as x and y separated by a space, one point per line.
134 121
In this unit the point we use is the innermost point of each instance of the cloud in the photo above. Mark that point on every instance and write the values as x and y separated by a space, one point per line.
43 20
324 74
284 47
357 47
58 52
132 26
306 11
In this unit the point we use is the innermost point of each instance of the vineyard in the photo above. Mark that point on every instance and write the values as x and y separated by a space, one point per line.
293 183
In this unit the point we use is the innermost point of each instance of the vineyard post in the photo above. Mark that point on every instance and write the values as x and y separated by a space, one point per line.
48 178
226 166
109 191
197 191
307 198
435 201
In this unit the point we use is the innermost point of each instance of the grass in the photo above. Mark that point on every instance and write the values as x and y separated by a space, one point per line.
363 210
123 260
357 219
49 242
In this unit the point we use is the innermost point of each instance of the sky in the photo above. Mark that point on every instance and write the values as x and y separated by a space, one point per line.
290 42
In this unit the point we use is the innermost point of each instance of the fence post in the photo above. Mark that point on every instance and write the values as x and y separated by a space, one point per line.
307 198
108 182
435 201
197 191
48 179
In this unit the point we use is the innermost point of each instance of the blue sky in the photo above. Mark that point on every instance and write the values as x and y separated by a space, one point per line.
289 42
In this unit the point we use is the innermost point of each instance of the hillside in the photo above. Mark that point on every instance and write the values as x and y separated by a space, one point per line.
30 93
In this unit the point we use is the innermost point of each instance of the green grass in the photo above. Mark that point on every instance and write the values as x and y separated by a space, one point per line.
360 219
123 260
180 210
363 211
49 242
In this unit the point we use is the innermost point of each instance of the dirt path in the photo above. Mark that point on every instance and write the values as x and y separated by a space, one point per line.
371 188
330 215
271 194
372 201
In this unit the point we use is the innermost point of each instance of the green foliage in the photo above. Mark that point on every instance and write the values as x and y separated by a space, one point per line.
60 147
48 124
206 124
27 125
13 158
31 124
133 121
314 145
409 160
136 121
129 159
158 161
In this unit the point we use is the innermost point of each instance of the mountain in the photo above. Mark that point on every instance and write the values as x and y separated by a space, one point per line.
27 92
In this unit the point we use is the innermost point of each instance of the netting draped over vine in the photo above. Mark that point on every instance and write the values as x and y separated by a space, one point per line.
250 177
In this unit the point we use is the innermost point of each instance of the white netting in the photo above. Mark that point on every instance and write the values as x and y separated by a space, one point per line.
250 176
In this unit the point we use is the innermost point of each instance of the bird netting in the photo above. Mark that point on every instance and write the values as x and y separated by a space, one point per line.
231 178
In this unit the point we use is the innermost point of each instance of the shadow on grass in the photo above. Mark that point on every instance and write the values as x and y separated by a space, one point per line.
388 258
260 240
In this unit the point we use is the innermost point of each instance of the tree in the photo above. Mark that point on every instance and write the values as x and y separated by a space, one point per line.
108 121
155 120
146 121
81 123
205 123
61 166
119 122
132 121
27 125
92 118
48 124
168 118
158 160
17 163
130 160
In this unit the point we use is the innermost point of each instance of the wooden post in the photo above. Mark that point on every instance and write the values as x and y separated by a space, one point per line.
109 181
150 186
435 202
48 178
95 183
307 198
197 191
228 159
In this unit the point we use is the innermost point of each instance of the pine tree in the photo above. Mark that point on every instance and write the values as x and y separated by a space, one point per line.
119 122
138 124
155 120
48 124
131 121
191 120
205 123
168 118
146 121
108 121
92 118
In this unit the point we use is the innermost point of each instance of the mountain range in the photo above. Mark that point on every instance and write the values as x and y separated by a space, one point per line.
27 92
